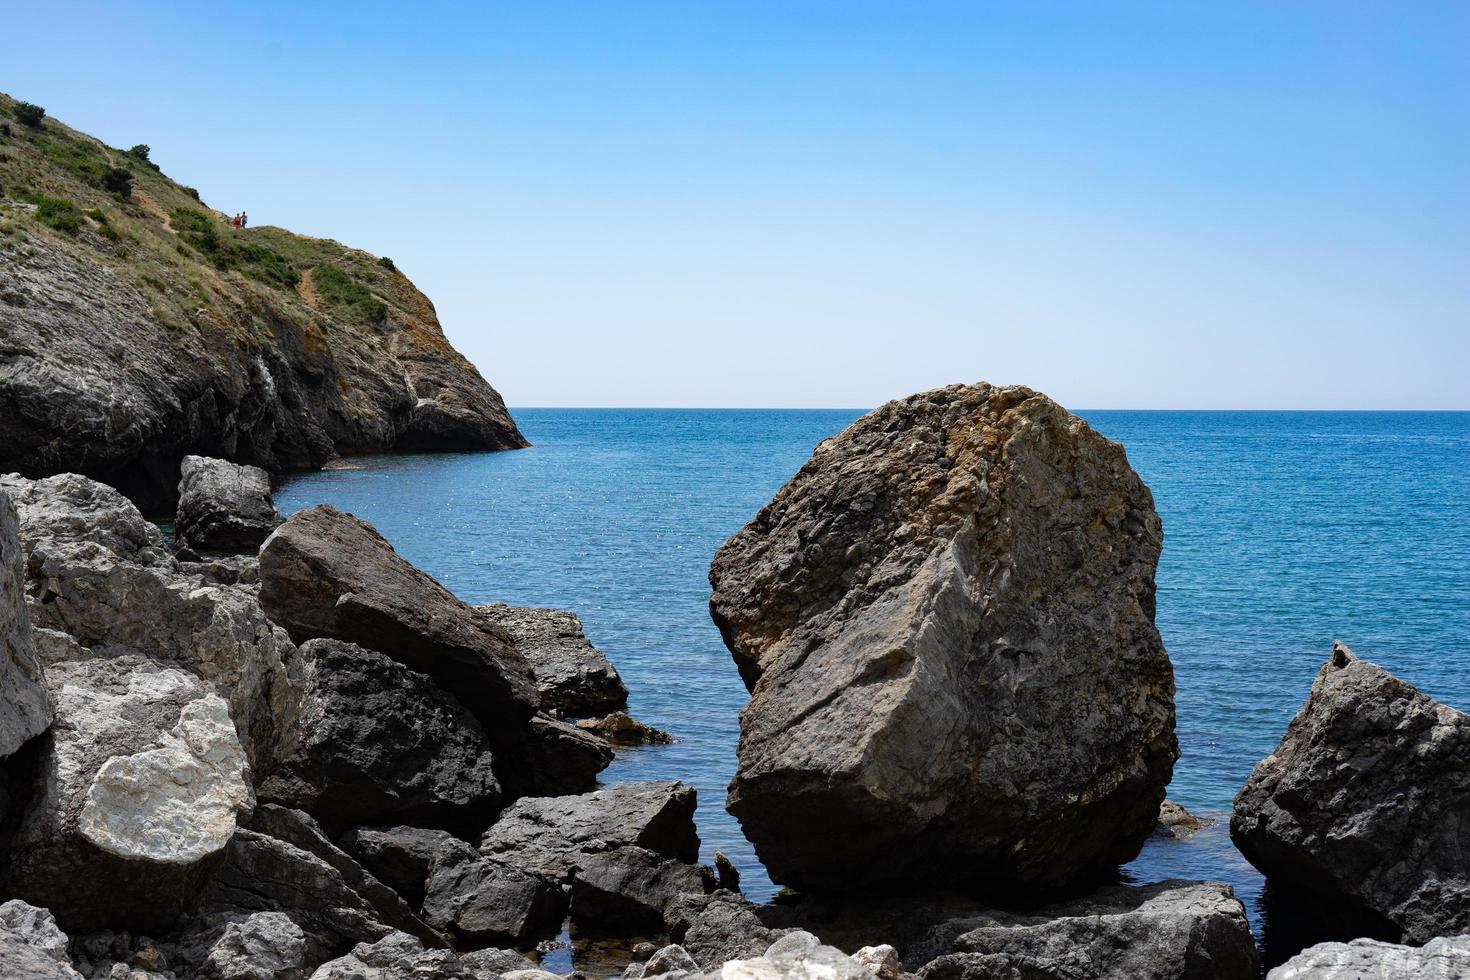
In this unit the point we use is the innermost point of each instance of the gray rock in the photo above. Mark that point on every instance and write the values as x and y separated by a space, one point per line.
25 706
284 864
726 872
327 574
724 926
1446 958
572 676
620 728
397 956
551 758
549 835
377 742
1179 823
224 506
263 946
36 927
670 961
140 785
947 621
798 956
400 857
1174 930
101 574
480 902
19 960
1360 804
495 961
631 888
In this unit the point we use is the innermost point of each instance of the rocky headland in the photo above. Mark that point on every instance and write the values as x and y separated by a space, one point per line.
137 326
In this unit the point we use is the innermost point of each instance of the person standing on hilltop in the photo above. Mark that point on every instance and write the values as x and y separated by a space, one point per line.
243 219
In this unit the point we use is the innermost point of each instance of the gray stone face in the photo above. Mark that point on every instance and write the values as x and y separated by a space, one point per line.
632 888
551 758
482 902
1446 958
549 835
101 574
377 742
141 783
947 622
1175 930
36 927
572 676
326 574
1361 803
21 961
400 857
398 956
725 926
25 706
224 506
263 946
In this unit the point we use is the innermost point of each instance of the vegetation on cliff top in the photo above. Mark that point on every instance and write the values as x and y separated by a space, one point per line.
195 269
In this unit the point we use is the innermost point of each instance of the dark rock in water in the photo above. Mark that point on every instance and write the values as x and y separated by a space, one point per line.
482 902
572 676
115 365
25 705
1179 823
224 506
550 835
288 867
1174 930
551 758
631 888
139 785
101 574
400 857
1360 804
1445 958
947 621
620 728
327 574
728 874
377 742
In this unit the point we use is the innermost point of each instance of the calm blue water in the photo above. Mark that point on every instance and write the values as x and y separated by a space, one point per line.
1283 531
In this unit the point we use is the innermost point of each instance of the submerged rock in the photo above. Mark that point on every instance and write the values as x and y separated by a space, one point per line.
1360 805
620 728
326 574
1178 823
224 506
1174 930
25 705
1446 958
572 676
140 784
947 622
378 742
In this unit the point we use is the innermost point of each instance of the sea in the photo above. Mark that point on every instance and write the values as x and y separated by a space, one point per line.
1283 532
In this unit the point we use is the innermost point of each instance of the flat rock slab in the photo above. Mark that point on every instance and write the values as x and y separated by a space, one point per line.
572 676
224 506
1362 804
946 619
326 574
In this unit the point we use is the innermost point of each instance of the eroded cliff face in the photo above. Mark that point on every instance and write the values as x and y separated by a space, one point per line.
137 329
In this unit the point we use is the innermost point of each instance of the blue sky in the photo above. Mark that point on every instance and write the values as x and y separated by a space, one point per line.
831 204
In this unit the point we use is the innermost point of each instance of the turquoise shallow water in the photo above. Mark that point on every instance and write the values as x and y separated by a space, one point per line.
1283 531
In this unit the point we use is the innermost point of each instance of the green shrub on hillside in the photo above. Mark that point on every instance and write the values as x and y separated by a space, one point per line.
5 130
30 114
58 213
140 152
118 181
340 289
267 265
206 234
387 263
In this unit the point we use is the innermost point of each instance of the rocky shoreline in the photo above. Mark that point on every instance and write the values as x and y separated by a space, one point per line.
276 749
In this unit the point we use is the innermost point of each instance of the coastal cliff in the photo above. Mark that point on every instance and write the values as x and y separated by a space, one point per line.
137 325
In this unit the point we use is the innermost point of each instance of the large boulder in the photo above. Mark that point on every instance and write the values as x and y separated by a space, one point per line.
551 835
25 706
99 573
32 945
572 676
632 889
724 926
399 857
262 946
1360 807
327 574
139 787
399 956
946 619
549 757
224 506
1174 930
377 742
1446 958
